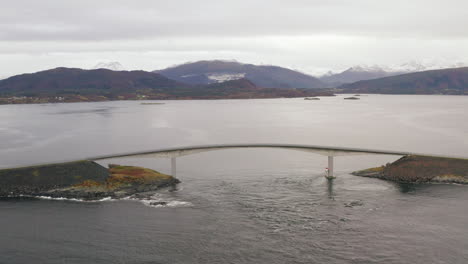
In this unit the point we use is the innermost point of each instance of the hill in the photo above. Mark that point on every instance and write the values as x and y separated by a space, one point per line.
63 81
207 72
366 72
445 81
77 85
356 73
244 89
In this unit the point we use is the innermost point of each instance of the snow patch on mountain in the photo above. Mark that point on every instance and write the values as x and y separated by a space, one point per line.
407 67
417 66
188 75
222 77
366 68
113 65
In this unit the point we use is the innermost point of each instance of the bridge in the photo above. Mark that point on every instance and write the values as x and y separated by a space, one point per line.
330 152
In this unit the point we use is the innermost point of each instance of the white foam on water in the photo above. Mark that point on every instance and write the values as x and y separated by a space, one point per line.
153 201
168 204
105 199
158 202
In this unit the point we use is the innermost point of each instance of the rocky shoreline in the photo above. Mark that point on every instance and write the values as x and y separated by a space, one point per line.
421 169
83 180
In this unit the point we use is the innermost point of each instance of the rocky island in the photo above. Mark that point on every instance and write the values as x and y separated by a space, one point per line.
85 180
421 169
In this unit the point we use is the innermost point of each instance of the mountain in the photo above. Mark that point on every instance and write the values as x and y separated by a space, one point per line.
417 66
60 81
356 73
207 72
360 73
244 89
445 81
113 65
75 85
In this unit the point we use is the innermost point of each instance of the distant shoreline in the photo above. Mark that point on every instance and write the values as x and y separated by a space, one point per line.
50 100
41 100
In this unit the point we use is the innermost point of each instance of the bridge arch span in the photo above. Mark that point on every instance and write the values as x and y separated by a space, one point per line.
328 151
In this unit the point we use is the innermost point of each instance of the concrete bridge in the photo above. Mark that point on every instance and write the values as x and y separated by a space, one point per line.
329 152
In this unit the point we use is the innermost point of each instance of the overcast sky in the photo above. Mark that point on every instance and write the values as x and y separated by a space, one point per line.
312 36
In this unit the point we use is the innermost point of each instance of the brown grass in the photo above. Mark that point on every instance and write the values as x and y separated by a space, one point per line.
376 169
126 175
423 169
89 184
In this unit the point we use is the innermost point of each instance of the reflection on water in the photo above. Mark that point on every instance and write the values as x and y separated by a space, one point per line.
330 192
407 187
105 111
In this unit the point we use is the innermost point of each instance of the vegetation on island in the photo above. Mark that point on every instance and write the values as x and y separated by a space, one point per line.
35 179
122 181
420 169
125 176
81 180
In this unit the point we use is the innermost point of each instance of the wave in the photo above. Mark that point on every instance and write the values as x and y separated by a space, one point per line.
105 199
158 202
152 201
155 203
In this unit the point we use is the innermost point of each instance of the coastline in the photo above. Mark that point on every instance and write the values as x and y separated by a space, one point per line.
83 180
9 101
420 169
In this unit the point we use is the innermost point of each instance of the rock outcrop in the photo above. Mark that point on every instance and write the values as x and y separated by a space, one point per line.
419 169
85 180
35 179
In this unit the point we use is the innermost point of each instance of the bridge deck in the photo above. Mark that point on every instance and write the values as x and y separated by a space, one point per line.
330 151
321 150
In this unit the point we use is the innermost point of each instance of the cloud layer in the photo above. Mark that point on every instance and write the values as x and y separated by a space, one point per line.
311 35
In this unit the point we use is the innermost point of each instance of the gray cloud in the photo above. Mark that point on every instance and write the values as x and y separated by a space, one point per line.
148 19
310 35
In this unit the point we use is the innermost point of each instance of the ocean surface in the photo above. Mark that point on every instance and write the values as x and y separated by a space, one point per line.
242 205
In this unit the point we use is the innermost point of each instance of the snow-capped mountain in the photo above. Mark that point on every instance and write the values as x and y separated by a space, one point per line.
366 68
366 72
113 65
415 66
215 71
356 73
441 81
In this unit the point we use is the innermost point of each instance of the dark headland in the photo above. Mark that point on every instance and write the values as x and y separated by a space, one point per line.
85 180
421 169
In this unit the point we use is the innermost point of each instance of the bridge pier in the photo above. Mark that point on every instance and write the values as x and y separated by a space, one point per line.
173 167
330 168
